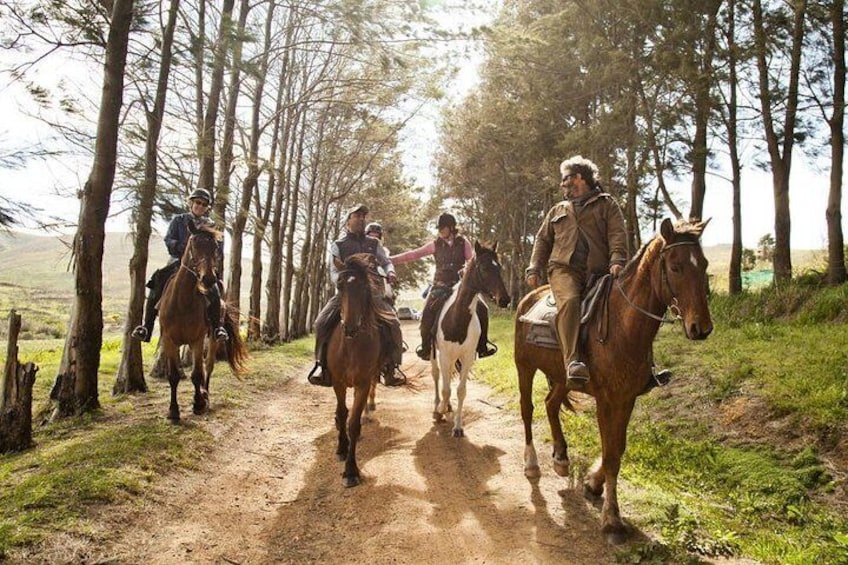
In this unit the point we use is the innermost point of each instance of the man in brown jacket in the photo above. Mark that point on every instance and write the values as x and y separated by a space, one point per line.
580 236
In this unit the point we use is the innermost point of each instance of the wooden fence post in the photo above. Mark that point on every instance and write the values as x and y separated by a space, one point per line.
16 394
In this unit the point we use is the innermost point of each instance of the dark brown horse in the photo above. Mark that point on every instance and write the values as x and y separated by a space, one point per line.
458 329
669 273
182 321
354 353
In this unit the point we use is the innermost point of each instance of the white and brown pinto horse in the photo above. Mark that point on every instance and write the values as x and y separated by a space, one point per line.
458 329
669 274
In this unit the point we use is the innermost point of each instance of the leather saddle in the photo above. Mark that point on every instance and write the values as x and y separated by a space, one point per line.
542 316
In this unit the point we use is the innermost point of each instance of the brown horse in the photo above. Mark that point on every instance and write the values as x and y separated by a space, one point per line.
182 320
458 329
354 353
669 273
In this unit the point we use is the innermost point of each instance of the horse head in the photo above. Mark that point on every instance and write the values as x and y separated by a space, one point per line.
201 253
486 274
683 284
357 281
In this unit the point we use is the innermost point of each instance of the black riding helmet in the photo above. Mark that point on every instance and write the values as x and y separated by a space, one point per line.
374 227
201 194
446 221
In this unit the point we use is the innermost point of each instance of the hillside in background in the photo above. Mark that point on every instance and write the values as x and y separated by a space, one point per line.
36 278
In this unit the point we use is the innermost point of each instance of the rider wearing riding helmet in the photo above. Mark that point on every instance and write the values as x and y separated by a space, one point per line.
176 240
452 252
356 241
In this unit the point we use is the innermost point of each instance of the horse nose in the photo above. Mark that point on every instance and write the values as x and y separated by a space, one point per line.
698 332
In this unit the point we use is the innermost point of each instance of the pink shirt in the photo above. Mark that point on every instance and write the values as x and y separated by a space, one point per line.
428 249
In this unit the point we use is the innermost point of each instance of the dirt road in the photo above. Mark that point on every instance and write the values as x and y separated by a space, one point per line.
272 493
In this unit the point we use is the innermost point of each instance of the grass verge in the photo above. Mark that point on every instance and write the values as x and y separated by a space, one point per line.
710 489
113 454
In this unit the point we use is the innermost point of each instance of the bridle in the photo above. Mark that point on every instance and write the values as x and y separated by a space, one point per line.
476 285
351 331
673 305
189 257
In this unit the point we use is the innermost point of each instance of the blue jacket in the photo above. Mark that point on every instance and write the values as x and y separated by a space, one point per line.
178 233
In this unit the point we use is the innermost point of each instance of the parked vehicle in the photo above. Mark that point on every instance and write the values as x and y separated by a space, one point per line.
408 313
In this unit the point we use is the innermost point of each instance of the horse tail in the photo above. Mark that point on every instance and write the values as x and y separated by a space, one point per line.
236 349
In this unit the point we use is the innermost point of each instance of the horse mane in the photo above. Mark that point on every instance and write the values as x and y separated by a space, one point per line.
648 252
217 234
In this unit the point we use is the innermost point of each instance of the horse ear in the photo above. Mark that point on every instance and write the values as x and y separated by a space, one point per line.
192 228
667 230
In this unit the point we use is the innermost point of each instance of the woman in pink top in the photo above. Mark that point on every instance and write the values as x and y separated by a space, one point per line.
452 251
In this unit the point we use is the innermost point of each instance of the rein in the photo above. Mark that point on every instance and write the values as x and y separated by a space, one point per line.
673 306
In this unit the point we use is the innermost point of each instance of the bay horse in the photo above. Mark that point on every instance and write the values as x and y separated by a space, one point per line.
669 273
354 353
458 329
183 320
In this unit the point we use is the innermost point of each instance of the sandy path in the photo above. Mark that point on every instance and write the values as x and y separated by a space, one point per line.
271 491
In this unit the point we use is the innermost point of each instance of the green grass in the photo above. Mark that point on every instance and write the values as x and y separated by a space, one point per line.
114 453
707 495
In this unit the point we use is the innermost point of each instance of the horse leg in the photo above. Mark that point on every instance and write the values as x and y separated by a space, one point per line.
371 406
525 391
434 370
460 398
173 381
198 379
341 420
445 369
351 477
553 406
612 421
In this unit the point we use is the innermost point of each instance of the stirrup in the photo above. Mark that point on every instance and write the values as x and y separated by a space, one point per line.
422 354
657 380
140 333
221 334
320 379
578 374
390 377
488 351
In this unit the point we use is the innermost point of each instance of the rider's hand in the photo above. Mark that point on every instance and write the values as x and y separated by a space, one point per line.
532 280
615 269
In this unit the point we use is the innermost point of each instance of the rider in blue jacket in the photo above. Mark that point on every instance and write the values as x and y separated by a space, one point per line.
175 240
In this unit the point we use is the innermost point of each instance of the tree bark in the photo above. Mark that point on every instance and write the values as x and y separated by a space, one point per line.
81 361
16 395
130 377
780 157
836 273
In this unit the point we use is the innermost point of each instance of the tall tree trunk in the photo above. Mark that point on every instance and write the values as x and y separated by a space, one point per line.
130 377
206 142
81 360
836 273
780 157
703 109
735 270
248 185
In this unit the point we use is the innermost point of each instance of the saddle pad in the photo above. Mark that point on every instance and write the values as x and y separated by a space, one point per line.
542 320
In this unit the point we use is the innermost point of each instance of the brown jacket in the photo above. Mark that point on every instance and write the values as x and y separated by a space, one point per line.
602 224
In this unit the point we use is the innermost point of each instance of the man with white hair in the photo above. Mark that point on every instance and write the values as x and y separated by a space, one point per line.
582 235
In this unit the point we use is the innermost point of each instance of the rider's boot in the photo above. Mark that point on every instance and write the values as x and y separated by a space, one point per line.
145 331
578 374
318 376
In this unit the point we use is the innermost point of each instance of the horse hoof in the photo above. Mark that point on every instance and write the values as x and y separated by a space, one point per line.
616 536
532 472
438 417
458 432
562 467
350 481
592 493
174 417
372 406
